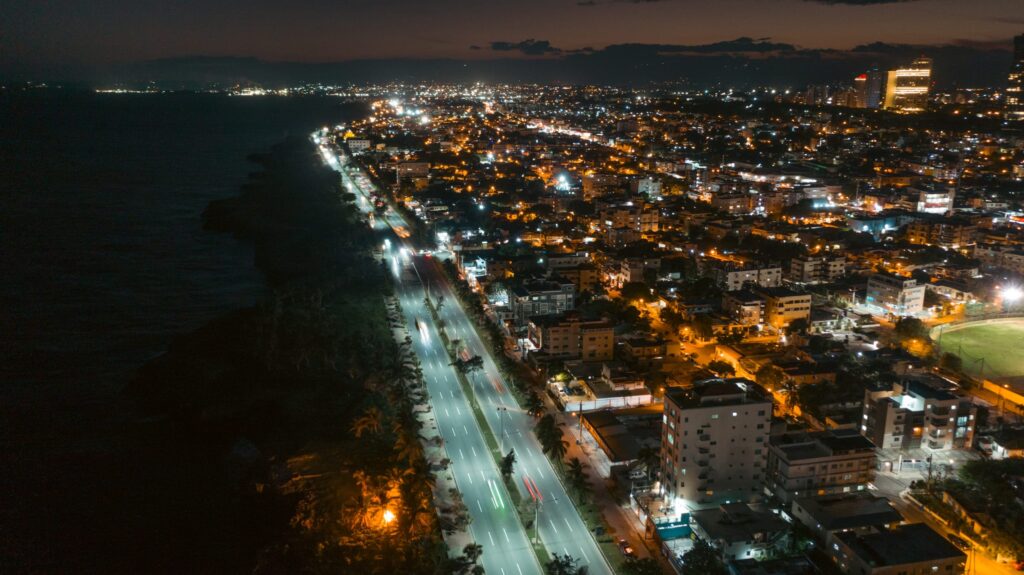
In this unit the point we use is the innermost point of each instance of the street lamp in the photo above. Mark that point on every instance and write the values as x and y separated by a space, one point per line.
388 517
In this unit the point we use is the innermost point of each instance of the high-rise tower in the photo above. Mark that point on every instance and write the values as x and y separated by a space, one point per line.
1015 89
907 88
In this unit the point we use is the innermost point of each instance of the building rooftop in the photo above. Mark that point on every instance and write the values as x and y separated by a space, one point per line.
914 543
780 292
801 445
735 522
713 392
849 511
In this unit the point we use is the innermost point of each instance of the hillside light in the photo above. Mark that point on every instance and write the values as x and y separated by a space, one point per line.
388 516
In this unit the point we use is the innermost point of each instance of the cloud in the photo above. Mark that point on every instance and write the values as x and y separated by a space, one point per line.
586 3
742 45
474 47
529 47
859 2
1009 20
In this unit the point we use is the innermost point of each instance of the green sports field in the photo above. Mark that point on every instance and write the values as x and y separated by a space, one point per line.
993 350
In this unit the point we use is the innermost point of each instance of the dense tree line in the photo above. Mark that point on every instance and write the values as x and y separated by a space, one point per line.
306 395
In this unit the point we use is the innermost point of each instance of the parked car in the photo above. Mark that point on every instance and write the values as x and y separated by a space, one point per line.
626 548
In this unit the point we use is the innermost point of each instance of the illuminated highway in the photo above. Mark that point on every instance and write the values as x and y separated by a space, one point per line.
561 528
495 524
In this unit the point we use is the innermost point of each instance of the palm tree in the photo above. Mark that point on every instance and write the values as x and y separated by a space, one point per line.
408 449
649 458
371 421
472 552
556 446
508 464
577 477
534 404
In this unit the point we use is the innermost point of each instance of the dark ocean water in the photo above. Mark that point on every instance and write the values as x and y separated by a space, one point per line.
103 261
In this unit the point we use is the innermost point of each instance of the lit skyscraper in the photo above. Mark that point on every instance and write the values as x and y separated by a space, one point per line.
1015 89
875 87
860 91
907 88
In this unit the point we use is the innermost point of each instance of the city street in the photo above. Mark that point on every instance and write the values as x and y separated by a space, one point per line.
561 528
495 525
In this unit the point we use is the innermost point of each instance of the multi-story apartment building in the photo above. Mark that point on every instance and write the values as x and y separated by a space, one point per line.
782 306
817 269
914 549
1015 86
912 414
568 336
896 294
999 256
820 463
947 233
634 270
541 298
714 443
732 277
633 215
744 307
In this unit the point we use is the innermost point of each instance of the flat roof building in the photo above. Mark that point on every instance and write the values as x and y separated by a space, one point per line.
914 549
714 443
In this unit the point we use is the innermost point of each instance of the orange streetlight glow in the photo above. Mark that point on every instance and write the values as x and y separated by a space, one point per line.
388 516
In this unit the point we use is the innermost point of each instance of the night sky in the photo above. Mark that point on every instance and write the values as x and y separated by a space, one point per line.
48 35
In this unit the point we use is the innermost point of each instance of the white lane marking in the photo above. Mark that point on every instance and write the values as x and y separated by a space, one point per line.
457 410
566 519
470 476
474 450
446 412
491 537
502 570
520 569
464 429
566 550
506 535
461 456
478 506
482 477
539 472
440 394
585 556
453 431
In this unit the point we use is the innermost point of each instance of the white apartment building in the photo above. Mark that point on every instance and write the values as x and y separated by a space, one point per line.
814 270
896 294
732 279
714 443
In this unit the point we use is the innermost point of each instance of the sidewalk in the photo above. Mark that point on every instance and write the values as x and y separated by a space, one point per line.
622 522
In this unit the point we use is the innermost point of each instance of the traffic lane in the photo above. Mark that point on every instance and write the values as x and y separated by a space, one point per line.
519 434
474 470
496 555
